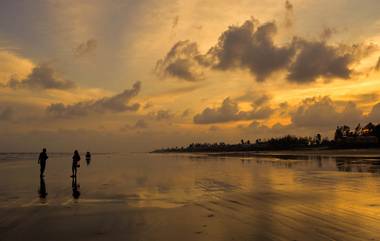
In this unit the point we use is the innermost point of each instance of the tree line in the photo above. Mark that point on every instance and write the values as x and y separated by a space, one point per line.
344 137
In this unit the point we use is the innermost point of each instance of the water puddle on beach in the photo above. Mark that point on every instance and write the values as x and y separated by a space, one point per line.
325 197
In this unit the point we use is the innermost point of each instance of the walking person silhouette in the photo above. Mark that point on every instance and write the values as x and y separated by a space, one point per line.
76 159
42 161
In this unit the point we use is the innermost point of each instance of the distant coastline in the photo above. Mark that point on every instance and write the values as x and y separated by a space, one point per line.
364 138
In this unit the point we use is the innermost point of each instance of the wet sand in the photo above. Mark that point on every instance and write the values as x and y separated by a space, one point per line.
191 197
362 153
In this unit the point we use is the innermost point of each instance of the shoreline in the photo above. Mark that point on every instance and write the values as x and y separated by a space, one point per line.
349 153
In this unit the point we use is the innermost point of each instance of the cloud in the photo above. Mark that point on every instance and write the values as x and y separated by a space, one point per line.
258 99
214 128
322 112
288 6
247 47
42 77
186 113
116 103
374 115
13 64
175 22
327 33
377 67
367 97
317 59
163 115
148 105
288 14
141 124
181 62
229 111
251 46
260 130
6 114
86 48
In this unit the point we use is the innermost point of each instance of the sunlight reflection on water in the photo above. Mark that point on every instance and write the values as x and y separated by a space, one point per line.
171 180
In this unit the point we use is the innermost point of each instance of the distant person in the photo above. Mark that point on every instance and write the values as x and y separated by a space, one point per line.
75 186
88 158
42 161
42 191
76 159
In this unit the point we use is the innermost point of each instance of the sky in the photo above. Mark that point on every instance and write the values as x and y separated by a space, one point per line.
131 76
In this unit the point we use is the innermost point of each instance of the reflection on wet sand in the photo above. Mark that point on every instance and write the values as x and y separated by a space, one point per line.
346 164
75 186
42 189
187 197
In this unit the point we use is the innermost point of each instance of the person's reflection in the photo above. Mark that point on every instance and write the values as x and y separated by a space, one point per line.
75 186
42 190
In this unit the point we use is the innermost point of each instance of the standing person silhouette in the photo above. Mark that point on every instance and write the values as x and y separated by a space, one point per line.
42 161
76 159
88 158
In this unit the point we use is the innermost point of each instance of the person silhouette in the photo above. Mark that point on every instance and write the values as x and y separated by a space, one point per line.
42 190
75 186
88 158
76 159
42 161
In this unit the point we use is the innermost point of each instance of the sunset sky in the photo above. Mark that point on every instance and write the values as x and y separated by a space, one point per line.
128 75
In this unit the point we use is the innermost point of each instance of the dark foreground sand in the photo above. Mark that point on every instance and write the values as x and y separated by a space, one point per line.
170 197
244 218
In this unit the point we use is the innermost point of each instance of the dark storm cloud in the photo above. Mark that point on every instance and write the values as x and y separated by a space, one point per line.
251 46
253 49
181 62
86 47
116 103
229 111
42 77
322 112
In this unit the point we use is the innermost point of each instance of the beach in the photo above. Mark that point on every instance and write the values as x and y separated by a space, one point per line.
141 196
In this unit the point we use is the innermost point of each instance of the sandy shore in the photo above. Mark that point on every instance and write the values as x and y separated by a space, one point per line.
178 197
267 216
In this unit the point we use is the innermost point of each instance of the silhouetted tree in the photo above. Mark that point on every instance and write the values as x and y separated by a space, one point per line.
318 139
